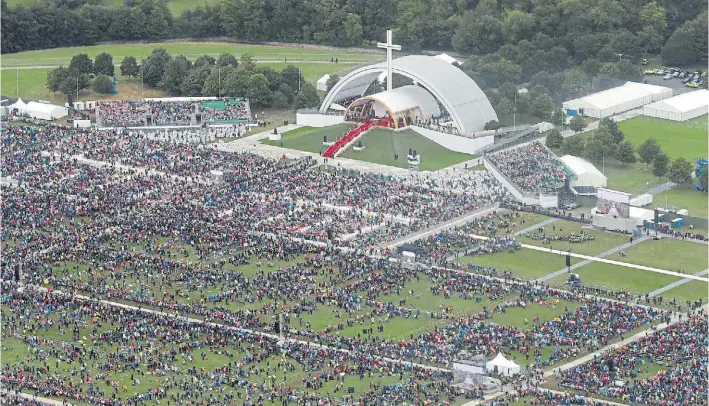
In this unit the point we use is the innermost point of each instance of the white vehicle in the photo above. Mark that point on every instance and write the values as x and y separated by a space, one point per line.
667 76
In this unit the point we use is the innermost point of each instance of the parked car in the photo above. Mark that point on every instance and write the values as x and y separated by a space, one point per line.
667 76
676 74
693 85
649 71
645 61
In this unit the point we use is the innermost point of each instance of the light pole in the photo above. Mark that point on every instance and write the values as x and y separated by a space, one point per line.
141 80
17 79
620 57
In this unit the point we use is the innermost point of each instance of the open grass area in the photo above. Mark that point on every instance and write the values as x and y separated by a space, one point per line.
176 7
618 277
603 241
684 197
191 50
309 138
381 145
669 254
676 140
526 263
693 290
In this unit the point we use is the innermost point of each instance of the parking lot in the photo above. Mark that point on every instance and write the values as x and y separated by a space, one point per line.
673 78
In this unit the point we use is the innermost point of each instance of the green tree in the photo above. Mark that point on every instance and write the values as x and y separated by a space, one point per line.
576 81
543 106
204 60
153 67
102 84
287 91
680 172
306 97
504 107
492 125
292 76
193 84
705 80
653 19
519 25
247 63
704 178
227 60
103 64
478 33
353 30
677 49
257 90
56 76
612 127
332 81
279 100
577 124
129 67
216 81
573 146
82 63
558 116
236 83
660 165
648 150
554 139
175 72
626 153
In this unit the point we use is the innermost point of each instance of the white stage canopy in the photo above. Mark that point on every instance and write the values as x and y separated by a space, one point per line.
504 366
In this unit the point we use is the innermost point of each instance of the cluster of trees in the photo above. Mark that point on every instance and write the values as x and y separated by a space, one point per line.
83 73
608 141
537 102
534 35
206 76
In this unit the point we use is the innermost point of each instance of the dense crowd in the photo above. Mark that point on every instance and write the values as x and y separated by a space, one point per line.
532 168
137 113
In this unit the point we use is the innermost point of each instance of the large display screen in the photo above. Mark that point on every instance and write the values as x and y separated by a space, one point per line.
613 203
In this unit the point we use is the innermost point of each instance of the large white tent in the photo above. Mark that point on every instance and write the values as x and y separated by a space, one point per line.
45 111
322 82
683 107
504 366
619 99
586 173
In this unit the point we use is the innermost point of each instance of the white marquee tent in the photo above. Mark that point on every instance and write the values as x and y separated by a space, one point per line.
45 111
504 366
19 105
683 107
322 83
586 173
619 99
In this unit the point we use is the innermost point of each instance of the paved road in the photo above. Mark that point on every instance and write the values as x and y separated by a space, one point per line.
588 261
677 283
661 188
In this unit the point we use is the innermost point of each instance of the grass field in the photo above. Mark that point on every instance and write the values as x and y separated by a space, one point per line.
603 241
191 50
676 140
176 7
685 197
527 263
381 145
669 254
309 138
32 83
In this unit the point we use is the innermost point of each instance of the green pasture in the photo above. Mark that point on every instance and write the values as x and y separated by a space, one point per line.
380 145
669 254
676 140
526 263
603 241
309 139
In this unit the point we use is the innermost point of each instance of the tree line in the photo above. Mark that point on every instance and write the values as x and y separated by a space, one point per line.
224 76
534 35
608 142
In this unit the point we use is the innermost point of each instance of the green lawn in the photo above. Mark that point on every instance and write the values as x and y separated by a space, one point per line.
309 138
636 179
603 240
267 53
669 254
693 290
527 263
618 277
676 140
684 197
381 145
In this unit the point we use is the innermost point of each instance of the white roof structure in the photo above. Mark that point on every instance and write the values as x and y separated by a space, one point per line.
619 99
586 173
680 108
459 95
322 82
45 111
404 98
447 58
19 105
504 366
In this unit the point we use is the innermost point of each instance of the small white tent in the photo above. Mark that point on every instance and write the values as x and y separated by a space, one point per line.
322 83
45 111
504 366
19 105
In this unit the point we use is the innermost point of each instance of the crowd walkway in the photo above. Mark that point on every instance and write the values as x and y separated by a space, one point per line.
676 284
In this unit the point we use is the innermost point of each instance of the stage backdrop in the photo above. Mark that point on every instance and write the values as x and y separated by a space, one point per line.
613 203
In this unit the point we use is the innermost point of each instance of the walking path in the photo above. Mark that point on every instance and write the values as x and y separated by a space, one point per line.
676 284
661 188
588 261
605 261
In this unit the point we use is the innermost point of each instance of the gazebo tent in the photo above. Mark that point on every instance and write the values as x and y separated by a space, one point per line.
683 107
586 173
322 83
19 105
503 366
619 99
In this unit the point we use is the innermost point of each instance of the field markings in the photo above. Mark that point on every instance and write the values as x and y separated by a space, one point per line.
676 284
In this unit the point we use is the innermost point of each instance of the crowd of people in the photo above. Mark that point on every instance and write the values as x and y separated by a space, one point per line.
680 352
532 167
140 113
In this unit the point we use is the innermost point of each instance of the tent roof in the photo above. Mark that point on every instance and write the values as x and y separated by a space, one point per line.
43 107
617 95
404 98
324 78
581 166
683 103
19 104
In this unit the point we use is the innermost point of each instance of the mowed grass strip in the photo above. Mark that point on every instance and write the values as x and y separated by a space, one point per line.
668 254
381 145
526 263
676 140
191 50
603 241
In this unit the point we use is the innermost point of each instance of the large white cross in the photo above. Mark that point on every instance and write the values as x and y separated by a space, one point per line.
389 47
